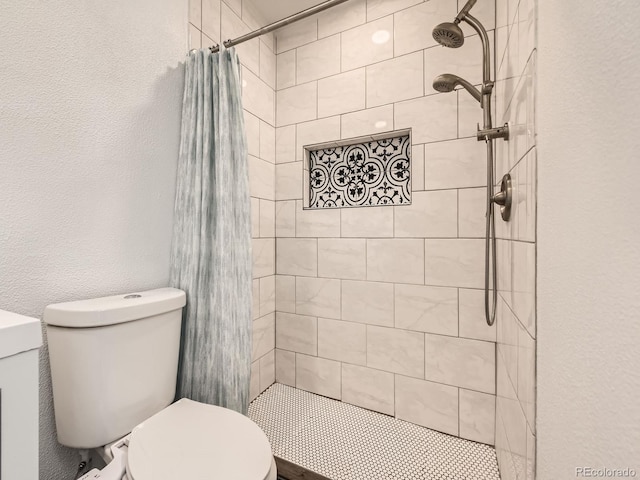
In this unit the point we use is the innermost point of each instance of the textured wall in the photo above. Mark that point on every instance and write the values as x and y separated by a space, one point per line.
382 307
209 21
516 316
90 98
588 254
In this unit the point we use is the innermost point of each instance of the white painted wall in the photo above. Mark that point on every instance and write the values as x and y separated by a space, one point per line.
90 99
589 236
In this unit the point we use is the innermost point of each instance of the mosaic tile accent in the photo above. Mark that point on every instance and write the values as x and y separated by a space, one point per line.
377 172
345 442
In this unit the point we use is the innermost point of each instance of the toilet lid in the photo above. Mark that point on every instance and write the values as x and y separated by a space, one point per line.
195 441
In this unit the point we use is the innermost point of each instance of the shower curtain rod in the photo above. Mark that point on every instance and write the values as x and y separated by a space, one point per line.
279 24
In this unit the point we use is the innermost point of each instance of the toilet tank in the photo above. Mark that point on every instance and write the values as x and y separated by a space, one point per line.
114 363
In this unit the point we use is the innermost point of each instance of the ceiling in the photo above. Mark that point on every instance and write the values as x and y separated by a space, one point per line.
273 10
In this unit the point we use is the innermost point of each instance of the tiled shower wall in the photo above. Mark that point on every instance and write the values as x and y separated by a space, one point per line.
209 21
516 354
382 307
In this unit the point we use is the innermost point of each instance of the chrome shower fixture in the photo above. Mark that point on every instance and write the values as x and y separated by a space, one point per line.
450 34
447 82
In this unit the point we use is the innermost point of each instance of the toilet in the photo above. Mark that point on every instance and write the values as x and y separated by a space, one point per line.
114 363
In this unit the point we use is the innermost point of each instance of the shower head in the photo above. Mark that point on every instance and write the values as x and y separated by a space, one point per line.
447 82
448 34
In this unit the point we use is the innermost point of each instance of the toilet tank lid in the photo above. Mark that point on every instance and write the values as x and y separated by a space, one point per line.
99 312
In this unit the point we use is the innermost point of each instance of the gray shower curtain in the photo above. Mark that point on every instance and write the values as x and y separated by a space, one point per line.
211 247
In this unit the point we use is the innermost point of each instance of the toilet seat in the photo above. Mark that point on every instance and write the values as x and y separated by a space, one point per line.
201 442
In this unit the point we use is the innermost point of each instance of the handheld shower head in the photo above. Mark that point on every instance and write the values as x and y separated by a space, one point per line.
448 34
447 82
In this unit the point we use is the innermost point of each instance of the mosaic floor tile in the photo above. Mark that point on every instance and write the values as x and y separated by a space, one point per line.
345 442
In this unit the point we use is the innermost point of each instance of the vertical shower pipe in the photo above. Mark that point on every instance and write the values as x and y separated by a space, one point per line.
490 242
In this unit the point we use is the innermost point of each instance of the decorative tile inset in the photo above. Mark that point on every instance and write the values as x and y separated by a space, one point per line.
345 442
373 173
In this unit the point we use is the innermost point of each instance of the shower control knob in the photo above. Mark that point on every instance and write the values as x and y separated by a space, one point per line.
504 197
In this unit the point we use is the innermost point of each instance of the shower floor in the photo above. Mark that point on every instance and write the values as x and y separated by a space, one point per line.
345 442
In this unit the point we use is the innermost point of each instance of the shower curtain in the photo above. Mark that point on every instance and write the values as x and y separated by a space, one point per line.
211 247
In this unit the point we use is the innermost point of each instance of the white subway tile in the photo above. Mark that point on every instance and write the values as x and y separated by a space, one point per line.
263 257
286 144
211 19
484 11
417 168
426 309
288 181
359 48
252 129
396 260
285 293
316 131
267 295
455 164
469 114
395 80
286 69
286 367
431 214
297 333
526 384
235 5
296 34
367 302
454 262
477 416
257 97
342 258
233 27
255 217
414 26
195 37
261 178
472 208
342 341
267 65
195 13
428 404
341 94
297 256
318 59
319 297
367 222
524 284
267 370
461 362
286 218
367 122
254 382
267 142
318 375
368 388
472 322
297 104
382 8
267 218
342 17
395 350
264 329
255 298
323 222
432 119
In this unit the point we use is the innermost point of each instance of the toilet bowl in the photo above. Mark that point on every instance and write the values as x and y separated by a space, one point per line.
192 440
111 382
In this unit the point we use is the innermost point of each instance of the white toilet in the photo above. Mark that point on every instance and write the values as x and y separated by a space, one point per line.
114 364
